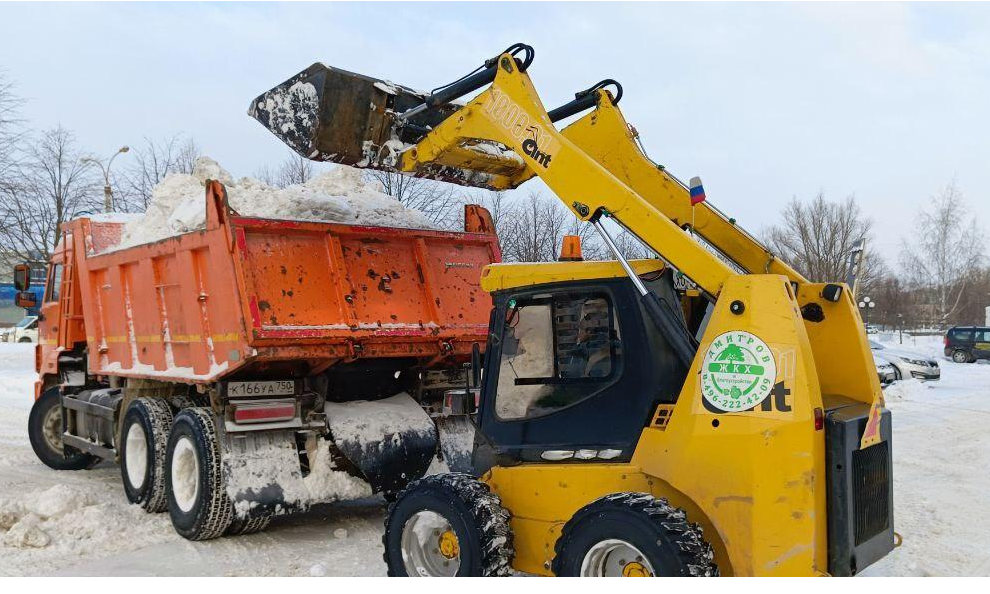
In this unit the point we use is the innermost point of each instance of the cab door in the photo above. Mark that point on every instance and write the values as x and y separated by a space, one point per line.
572 374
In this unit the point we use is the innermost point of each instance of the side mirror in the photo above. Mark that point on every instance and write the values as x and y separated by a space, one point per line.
22 277
26 299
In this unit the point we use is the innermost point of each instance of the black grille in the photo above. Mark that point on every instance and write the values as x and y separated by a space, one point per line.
871 498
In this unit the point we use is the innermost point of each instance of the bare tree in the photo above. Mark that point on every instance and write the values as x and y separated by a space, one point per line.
437 200
185 158
535 230
500 205
53 186
11 131
944 252
816 237
294 170
148 166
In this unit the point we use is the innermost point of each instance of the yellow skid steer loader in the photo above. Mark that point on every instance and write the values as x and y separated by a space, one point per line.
710 412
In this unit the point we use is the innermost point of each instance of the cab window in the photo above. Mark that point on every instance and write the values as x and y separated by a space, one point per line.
556 351
55 283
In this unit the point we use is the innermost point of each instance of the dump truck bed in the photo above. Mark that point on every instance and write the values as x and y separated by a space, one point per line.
247 294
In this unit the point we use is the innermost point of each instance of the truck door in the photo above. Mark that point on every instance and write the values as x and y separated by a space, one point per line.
48 332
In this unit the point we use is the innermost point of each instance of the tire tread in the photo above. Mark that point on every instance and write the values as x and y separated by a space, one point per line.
159 415
487 514
695 554
216 516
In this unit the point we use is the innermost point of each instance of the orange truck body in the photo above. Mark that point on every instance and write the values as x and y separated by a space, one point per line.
250 297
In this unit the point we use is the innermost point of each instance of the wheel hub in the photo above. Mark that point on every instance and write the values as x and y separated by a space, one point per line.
51 428
615 558
449 547
430 546
635 569
185 474
136 458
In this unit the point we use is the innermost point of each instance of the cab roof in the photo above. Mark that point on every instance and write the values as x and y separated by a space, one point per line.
499 277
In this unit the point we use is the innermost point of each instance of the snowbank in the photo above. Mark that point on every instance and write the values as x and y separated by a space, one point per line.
341 195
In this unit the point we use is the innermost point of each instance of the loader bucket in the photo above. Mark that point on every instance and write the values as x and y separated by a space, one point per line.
328 114
391 441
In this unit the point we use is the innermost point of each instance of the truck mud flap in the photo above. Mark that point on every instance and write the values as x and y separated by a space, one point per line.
263 473
391 441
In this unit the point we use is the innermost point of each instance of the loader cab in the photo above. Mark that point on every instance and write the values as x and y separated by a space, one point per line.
574 370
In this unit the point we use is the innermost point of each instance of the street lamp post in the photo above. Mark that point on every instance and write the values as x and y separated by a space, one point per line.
107 190
867 304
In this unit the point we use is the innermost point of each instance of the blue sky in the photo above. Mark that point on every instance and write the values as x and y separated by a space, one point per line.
764 101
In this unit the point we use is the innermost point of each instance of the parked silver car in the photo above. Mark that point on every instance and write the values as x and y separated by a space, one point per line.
907 364
885 370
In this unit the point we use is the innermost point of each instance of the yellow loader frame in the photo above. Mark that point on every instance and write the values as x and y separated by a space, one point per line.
754 480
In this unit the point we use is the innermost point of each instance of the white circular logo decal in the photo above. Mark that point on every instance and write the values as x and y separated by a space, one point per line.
738 371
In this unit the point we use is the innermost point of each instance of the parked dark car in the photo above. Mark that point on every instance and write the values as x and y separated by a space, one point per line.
966 344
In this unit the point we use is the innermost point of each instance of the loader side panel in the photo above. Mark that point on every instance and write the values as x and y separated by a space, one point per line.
847 370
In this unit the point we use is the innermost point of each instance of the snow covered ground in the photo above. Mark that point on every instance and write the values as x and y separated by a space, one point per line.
79 523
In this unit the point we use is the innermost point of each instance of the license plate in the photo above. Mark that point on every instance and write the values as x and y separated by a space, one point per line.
276 388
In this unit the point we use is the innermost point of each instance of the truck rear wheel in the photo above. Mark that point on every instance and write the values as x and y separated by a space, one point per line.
143 441
45 433
632 535
447 525
197 498
239 525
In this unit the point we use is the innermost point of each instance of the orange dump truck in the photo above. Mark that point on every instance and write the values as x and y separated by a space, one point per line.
258 365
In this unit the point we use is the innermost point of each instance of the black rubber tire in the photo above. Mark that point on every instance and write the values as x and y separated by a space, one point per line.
155 417
239 525
211 511
475 514
24 340
965 357
673 546
50 454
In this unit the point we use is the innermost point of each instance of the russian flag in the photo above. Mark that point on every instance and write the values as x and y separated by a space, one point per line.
697 191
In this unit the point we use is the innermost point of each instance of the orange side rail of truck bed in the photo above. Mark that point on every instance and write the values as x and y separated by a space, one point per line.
245 294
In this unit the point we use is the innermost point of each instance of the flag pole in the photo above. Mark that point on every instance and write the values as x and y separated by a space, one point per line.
697 194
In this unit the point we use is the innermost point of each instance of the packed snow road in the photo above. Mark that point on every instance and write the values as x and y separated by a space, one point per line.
79 523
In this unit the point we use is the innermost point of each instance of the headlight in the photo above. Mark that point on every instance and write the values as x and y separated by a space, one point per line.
915 361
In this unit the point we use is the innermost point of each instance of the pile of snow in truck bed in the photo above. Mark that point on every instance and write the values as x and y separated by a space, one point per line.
341 195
